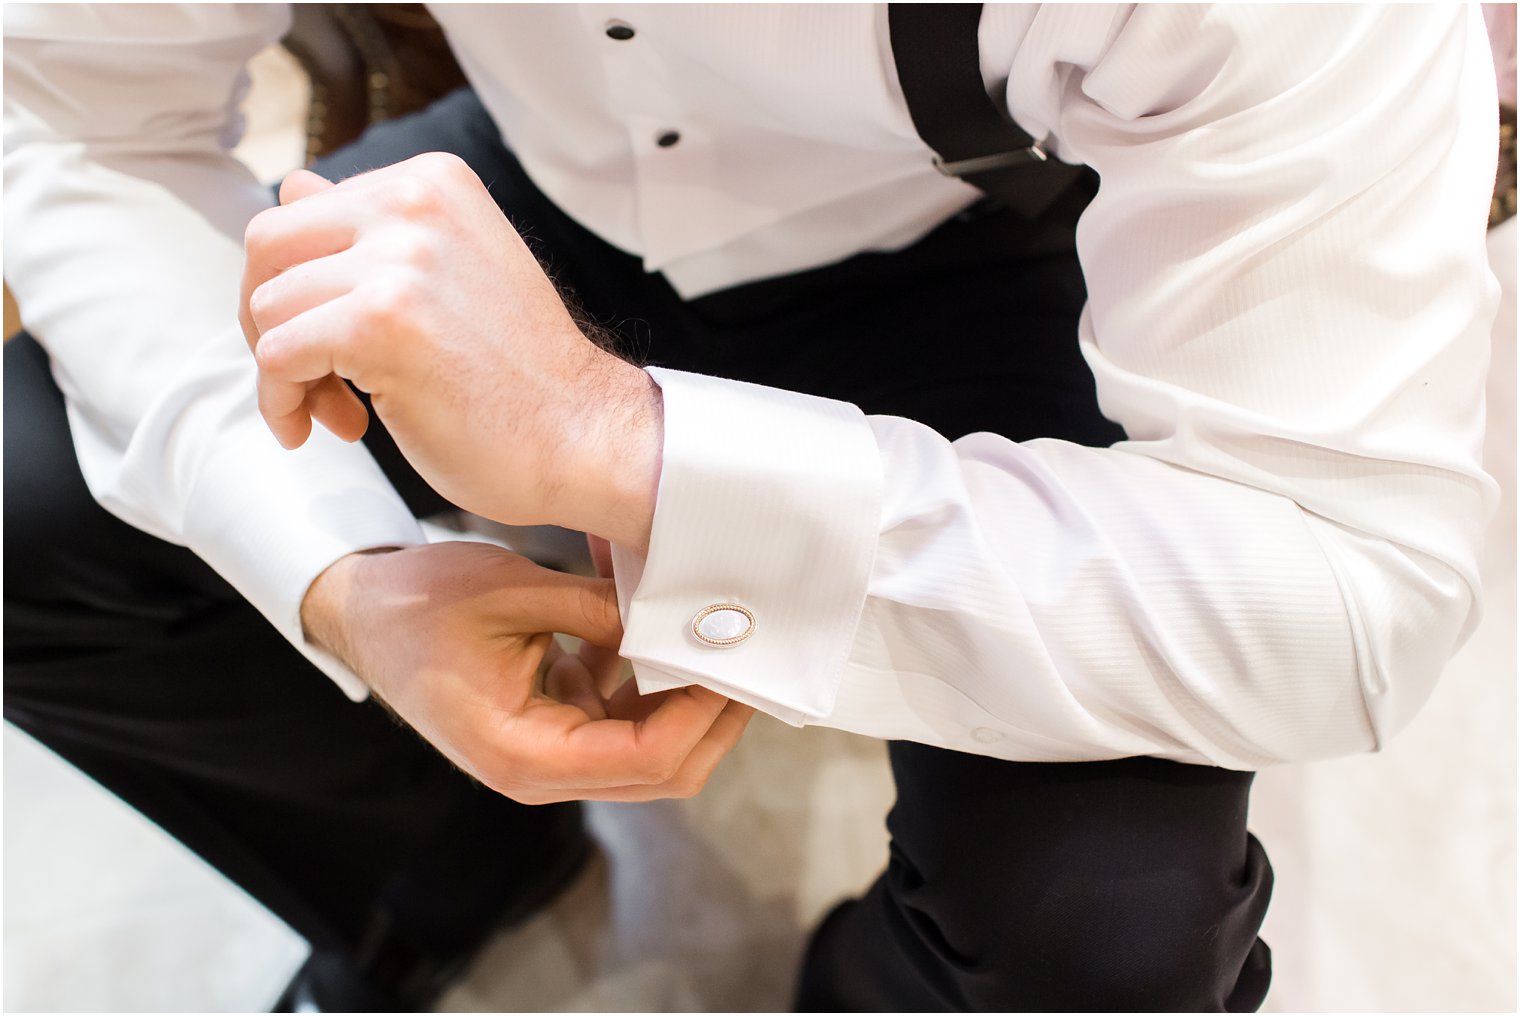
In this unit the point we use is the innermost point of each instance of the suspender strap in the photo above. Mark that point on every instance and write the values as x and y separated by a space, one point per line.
939 66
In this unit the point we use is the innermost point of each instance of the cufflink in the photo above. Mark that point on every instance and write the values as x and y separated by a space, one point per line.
723 624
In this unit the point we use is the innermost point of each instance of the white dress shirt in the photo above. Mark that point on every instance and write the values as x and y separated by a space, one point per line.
1288 313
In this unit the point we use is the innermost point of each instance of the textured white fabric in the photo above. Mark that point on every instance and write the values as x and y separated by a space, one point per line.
1288 314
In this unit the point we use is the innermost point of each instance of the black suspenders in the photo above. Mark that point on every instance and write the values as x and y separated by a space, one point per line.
939 66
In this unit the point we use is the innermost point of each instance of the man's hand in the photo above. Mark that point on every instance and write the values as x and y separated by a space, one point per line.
454 638
409 282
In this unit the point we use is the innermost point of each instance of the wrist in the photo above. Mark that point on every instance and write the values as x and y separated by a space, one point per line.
635 473
328 605
612 483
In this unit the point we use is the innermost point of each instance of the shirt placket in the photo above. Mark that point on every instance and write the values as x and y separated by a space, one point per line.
682 205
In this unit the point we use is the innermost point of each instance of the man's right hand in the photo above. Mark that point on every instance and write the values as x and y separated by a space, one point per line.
411 283
453 637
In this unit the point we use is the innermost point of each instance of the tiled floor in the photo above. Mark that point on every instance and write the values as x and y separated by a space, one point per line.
1395 872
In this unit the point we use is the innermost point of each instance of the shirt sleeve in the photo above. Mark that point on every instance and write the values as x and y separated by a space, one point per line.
1288 311
124 214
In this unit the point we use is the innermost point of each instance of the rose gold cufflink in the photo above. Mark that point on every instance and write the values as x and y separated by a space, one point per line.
723 624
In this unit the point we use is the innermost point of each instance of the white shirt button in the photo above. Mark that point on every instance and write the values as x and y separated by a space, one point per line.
723 624
986 735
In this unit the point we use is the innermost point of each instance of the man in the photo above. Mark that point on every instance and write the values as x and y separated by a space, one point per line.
1080 651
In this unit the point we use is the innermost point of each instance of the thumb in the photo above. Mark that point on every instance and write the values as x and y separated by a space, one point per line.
301 184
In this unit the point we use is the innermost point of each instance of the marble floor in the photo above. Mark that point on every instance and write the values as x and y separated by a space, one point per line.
1396 873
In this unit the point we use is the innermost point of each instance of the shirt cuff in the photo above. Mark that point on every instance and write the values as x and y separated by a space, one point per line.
769 500
270 521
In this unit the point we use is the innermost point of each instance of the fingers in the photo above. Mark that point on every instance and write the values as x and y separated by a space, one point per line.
699 765
317 218
648 751
604 665
273 242
302 183
290 234
302 230
603 662
628 703
333 404
313 345
288 407
547 600
570 682
551 747
297 305
303 287
644 741
297 364
687 781
283 407
324 223
559 739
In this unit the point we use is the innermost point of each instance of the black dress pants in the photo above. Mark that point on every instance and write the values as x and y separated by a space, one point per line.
1121 885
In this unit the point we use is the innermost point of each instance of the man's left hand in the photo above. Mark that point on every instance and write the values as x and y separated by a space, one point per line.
409 282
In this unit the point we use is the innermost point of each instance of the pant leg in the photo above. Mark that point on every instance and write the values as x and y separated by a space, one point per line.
133 660
1012 887
1112 886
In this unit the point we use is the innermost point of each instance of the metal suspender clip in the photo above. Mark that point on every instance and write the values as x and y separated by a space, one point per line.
983 163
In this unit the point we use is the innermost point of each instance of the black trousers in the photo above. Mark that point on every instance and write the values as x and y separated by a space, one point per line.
1129 884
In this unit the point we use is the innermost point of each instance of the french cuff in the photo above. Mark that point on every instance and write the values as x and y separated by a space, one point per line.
764 531
270 521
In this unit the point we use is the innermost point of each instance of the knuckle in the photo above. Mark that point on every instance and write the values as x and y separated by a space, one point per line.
412 247
259 232
445 166
686 789
270 354
598 606
413 196
277 401
266 406
662 770
384 305
261 302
